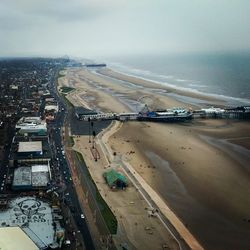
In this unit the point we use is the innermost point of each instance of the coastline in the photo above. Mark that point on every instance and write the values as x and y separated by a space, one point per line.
178 164
216 99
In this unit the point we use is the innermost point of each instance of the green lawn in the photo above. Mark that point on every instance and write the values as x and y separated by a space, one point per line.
69 104
107 214
65 89
71 141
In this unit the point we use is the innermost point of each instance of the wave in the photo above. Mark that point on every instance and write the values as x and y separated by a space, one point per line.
193 87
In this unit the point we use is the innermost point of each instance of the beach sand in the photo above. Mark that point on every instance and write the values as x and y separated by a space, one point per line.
208 189
199 168
135 228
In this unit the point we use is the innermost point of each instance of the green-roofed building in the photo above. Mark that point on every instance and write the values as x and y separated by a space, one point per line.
115 179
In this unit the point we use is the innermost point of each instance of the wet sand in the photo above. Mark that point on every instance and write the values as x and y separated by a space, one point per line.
199 168
206 187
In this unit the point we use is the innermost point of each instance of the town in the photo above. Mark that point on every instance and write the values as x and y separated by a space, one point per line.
37 200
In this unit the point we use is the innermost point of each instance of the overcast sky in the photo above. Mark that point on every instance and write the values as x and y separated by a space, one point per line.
89 28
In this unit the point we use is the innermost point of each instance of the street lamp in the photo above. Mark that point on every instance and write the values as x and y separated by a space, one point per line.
89 129
93 140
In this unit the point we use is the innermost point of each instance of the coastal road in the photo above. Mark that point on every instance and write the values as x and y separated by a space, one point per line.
5 160
56 138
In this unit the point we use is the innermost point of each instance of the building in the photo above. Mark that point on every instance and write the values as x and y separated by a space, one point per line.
21 239
22 179
26 148
36 219
127 116
51 108
34 177
29 150
40 176
31 124
115 180
81 112
32 134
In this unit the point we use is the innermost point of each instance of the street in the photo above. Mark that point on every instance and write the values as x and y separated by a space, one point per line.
61 164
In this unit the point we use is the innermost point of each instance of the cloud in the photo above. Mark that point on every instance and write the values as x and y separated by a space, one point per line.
93 27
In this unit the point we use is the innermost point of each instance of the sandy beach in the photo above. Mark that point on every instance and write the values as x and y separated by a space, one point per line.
199 168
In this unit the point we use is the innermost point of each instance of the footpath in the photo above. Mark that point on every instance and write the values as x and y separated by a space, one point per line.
146 189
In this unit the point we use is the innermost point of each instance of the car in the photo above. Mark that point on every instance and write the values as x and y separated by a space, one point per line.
67 242
82 216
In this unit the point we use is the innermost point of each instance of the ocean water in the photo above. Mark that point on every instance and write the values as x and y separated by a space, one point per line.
222 75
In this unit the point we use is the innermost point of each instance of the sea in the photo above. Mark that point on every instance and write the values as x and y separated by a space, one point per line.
223 75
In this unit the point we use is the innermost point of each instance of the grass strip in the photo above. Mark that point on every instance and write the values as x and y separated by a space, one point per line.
107 214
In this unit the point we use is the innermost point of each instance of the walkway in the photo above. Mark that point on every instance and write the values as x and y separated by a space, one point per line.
146 190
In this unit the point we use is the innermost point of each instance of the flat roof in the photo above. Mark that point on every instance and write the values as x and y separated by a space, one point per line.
39 179
35 218
34 176
22 176
40 168
51 107
32 156
30 119
21 239
30 146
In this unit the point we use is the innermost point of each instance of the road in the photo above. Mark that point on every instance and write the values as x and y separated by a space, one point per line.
5 161
61 164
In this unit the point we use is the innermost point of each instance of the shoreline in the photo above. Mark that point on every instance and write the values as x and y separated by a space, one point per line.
182 91
198 175
161 205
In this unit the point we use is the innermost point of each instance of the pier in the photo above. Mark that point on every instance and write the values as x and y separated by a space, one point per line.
240 113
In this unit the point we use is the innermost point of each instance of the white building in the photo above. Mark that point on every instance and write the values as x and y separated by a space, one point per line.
31 124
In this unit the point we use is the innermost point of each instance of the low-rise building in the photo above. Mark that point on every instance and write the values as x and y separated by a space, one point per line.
12 238
81 112
34 177
31 124
35 218
29 150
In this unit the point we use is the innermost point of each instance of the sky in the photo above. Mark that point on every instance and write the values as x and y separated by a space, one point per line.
90 28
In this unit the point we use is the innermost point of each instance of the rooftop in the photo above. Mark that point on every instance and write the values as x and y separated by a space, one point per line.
30 146
30 119
22 240
31 177
30 149
51 107
33 216
22 176
40 168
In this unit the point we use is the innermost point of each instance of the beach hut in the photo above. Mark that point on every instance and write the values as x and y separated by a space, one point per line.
115 180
